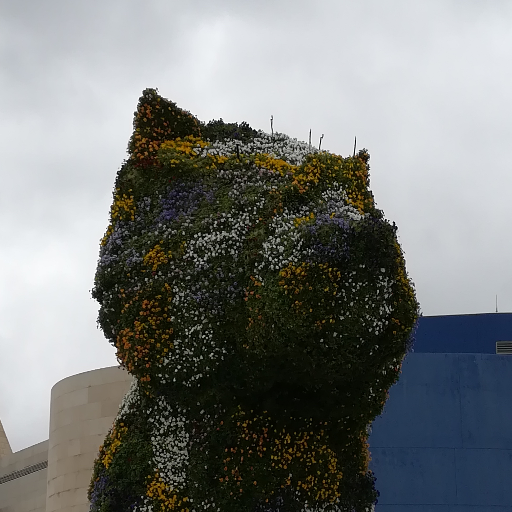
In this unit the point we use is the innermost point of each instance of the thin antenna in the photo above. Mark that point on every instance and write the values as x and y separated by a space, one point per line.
320 143
496 303
355 140
272 126
310 138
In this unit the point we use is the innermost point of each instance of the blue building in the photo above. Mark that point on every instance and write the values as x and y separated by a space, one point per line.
444 440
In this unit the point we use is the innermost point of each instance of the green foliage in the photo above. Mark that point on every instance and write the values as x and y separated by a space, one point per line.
220 131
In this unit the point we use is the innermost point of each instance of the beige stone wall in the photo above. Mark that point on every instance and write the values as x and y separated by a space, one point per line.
5 447
23 478
82 411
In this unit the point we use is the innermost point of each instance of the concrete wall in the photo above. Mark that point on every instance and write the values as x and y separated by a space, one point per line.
82 410
23 480
444 442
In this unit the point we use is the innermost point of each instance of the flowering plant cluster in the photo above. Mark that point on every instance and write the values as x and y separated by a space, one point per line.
261 301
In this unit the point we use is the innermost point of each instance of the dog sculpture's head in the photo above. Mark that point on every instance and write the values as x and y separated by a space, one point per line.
249 265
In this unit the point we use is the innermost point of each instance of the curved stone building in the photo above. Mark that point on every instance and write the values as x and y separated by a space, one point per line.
54 475
82 410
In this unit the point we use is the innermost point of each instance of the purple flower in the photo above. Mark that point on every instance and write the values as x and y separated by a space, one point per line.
100 486
329 238
183 200
133 259
109 251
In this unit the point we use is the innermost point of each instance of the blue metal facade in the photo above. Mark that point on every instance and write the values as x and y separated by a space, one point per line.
444 440
463 334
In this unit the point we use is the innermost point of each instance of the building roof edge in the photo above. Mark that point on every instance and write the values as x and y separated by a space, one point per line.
5 447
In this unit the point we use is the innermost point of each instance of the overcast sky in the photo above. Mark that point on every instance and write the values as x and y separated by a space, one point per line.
424 85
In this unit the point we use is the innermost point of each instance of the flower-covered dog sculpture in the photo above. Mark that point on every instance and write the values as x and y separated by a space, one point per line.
262 304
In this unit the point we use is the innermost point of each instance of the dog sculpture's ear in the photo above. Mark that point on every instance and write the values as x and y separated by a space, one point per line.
155 121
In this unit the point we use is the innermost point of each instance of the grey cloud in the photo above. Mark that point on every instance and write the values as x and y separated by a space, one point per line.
423 85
